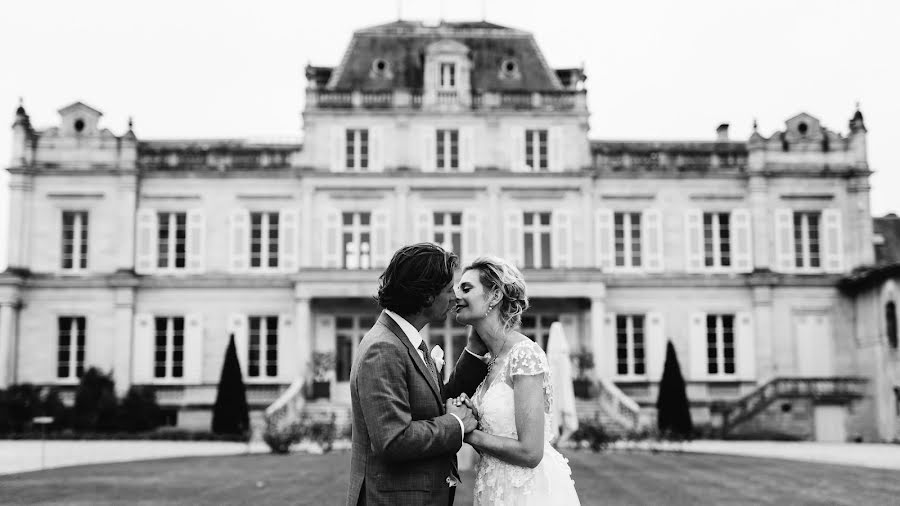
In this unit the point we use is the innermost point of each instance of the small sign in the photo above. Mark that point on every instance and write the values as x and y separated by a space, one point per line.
42 420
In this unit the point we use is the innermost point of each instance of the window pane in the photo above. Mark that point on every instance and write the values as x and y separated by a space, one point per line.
343 357
529 250
545 250
351 150
273 240
178 347
711 345
725 239
708 240
162 238
253 347
159 349
84 240
798 239
180 239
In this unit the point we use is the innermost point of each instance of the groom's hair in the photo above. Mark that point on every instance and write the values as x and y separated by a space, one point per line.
416 274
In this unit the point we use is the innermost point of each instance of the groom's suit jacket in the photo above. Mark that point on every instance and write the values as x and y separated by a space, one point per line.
404 442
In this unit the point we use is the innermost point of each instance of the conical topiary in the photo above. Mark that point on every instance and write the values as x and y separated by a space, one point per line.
231 414
673 413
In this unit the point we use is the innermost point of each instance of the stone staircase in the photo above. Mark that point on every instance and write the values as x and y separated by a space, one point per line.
616 412
291 406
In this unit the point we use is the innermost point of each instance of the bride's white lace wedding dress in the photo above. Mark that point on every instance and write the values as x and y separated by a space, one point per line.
501 483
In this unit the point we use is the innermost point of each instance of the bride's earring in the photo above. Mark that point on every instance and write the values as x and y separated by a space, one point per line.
490 308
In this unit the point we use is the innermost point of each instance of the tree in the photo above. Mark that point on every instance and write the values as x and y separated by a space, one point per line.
95 402
231 414
673 414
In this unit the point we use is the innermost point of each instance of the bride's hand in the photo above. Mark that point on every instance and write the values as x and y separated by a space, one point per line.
474 342
464 399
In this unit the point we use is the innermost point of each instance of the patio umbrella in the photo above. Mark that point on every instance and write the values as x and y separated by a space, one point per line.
561 376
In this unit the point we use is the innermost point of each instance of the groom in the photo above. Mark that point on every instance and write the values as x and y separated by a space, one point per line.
405 430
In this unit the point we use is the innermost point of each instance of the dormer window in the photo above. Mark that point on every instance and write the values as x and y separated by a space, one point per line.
79 125
802 128
509 69
381 68
448 76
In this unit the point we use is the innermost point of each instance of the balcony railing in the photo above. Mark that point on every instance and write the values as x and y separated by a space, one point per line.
835 389
415 99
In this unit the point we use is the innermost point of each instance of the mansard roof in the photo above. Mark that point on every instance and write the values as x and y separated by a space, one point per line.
614 147
402 45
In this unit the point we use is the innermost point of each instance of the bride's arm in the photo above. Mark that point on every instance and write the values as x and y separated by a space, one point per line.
528 449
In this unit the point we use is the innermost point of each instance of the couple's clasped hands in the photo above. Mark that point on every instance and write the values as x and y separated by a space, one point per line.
463 408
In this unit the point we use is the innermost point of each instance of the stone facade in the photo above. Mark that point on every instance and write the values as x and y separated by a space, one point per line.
459 134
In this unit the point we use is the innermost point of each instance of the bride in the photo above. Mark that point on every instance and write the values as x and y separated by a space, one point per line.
518 466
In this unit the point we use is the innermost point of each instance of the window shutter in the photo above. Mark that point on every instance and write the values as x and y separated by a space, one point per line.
607 363
693 236
145 250
424 225
288 234
467 149
555 149
833 245
697 333
376 149
652 237
514 237
604 238
333 251
745 346
338 149
287 348
741 233
239 240
239 328
429 145
517 149
784 240
562 238
655 345
196 240
193 349
381 238
142 351
472 236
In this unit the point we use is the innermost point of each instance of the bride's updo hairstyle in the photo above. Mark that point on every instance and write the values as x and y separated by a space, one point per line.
500 275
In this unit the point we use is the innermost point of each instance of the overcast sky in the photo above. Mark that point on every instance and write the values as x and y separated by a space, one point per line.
656 69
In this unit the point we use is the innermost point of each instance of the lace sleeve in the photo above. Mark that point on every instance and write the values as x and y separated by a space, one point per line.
527 360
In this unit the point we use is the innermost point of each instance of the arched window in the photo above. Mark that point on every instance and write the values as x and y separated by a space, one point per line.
890 319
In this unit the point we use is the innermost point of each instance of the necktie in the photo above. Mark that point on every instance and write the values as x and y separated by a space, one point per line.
427 359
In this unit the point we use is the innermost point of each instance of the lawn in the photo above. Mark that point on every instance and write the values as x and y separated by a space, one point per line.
605 478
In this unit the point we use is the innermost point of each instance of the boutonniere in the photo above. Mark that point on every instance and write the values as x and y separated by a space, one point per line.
437 354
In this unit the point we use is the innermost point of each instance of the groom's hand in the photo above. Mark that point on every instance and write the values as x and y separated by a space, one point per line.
464 413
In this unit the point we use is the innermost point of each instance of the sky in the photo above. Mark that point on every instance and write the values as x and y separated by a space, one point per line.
657 69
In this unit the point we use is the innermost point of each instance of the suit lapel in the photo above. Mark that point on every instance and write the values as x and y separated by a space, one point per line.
389 322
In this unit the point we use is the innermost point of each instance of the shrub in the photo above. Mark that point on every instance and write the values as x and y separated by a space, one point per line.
96 405
591 432
139 410
280 437
20 404
231 414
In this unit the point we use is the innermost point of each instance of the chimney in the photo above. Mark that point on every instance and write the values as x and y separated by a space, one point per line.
722 133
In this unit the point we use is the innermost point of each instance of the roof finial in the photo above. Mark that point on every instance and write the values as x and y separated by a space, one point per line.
130 123
755 125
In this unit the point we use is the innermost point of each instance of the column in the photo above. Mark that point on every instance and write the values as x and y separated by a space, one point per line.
123 339
303 326
598 340
762 222
7 343
859 217
763 333
19 185
126 203
307 220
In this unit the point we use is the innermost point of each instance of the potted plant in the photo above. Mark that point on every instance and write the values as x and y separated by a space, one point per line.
584 362
322 365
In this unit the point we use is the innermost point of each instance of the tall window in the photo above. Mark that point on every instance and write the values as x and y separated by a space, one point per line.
74 240
451 337
720 344
357 240
890 320
168 347
537 240
262 347
264 240
630 345
357 147
70 352
448 76
536 149
448 150
627 235
349 330
807 239
536 327
448 231
716 240
171 240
